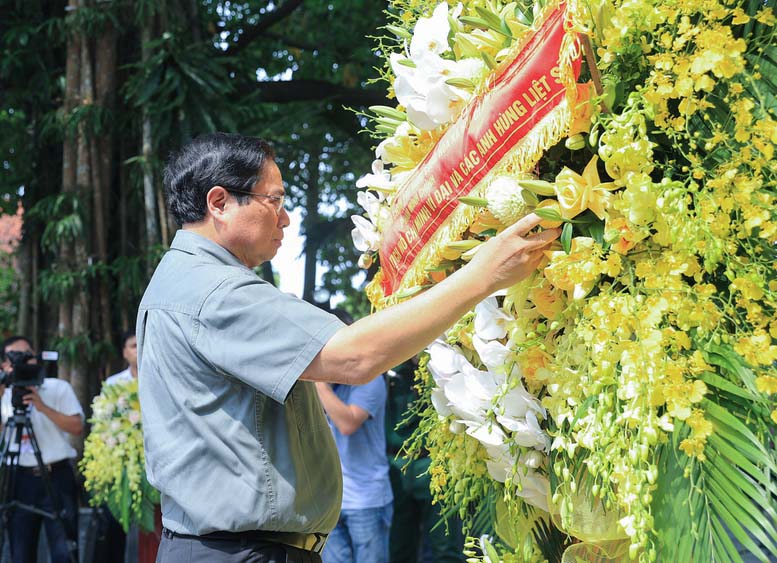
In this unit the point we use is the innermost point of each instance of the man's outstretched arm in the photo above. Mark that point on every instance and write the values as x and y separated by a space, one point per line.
360 352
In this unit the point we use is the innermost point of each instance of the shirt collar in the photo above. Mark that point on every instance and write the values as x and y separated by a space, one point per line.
193 243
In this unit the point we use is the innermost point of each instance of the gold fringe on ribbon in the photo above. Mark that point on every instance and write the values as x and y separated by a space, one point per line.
522 158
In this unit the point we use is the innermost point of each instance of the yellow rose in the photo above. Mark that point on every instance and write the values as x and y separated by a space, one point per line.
576 192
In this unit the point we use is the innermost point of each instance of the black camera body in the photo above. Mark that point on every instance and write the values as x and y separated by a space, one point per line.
24 371
27 370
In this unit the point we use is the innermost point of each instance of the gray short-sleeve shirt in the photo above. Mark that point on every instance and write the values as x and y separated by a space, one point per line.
233 441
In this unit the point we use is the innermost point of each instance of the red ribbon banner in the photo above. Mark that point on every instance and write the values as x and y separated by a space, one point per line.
522 95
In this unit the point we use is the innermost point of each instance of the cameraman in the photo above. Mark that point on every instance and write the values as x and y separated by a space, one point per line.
54 413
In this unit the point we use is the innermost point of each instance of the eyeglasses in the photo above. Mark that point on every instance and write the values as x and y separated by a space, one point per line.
278 199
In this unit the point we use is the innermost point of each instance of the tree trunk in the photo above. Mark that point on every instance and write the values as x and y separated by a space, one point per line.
79 373
102 167
124 152
310 223
149 193
24 257
69 182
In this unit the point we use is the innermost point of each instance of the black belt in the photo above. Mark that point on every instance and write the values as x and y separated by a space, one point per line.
35 470
314 542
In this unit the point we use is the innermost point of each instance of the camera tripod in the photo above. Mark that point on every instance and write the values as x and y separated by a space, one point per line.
12 434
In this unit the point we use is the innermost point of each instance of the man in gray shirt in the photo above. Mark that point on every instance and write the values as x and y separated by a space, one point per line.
235 437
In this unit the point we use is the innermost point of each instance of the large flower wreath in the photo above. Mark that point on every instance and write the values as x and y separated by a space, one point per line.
618 405
114 464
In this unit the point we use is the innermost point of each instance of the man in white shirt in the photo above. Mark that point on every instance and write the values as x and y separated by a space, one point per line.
129 350
54 412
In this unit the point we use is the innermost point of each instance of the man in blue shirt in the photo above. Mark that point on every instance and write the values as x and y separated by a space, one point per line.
357 416
236 439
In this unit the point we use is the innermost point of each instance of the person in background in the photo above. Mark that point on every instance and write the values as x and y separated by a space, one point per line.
54 413
129 351
416 529
357 418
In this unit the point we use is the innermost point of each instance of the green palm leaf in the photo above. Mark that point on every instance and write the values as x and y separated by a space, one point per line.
699 505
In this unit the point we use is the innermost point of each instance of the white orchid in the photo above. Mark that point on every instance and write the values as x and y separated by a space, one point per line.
470 393
440 402
526 431
444 361
534 488
422 89
377 210
380 179
516 404
492 353
365 236
411 87
490 435
431 34
490 320
444 102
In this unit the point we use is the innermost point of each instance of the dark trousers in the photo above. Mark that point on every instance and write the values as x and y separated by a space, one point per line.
24 527
416 519
111 539
174 549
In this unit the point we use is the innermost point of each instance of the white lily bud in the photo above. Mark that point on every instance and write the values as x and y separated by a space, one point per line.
365 261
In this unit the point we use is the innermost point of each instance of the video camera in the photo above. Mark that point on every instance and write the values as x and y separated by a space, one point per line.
27 370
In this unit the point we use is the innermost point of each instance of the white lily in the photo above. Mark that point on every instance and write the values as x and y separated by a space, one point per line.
490 320
431 34
365 236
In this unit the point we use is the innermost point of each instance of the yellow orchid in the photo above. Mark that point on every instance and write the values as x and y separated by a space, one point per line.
576 272
576 192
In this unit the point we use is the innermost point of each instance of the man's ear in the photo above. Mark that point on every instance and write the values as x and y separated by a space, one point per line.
216 200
